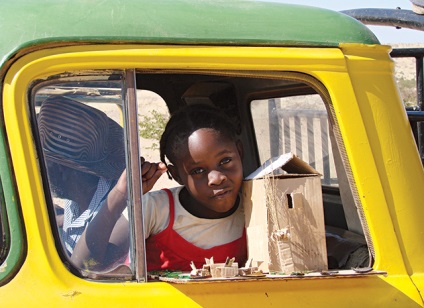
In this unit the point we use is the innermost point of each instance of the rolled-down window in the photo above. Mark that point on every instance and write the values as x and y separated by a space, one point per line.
81 129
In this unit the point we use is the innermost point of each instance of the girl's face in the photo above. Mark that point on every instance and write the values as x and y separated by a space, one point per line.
210 168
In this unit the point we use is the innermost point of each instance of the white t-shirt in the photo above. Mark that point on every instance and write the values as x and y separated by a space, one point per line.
201 232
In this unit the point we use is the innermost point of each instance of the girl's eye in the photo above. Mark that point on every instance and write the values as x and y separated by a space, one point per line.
197 171
225 160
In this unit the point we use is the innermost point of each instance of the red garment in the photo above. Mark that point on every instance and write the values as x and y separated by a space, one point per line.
169 250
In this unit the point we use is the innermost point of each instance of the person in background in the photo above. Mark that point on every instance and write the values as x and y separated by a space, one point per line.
85 155
200 219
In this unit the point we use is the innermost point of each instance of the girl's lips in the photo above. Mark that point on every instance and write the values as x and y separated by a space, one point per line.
221 193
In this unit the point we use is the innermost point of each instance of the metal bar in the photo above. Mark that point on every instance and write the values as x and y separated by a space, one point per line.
325 150
274 128
287 134
407 52
298 136
311 141
420 139
415 116
397 18
419 75
420 99
414 128
131 115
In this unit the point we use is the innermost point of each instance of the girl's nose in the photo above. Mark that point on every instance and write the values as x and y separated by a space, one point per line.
216 178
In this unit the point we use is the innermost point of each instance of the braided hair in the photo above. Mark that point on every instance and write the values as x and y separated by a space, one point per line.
186 121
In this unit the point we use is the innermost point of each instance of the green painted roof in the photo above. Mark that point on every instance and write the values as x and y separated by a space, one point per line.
229 22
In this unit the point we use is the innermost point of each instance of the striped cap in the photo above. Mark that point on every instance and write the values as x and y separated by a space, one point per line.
81 137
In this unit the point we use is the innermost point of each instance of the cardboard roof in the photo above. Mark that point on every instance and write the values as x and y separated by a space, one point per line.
283 166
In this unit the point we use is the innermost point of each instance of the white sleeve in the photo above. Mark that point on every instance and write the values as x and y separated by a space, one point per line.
155 212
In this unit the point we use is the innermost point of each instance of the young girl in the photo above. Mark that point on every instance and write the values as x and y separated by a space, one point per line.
200 219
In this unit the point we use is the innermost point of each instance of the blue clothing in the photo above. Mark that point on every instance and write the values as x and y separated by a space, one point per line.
74 222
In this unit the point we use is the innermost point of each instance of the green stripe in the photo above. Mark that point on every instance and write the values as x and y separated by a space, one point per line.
10 213
27 22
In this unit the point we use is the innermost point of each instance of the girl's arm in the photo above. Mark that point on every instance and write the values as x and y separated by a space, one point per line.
107 235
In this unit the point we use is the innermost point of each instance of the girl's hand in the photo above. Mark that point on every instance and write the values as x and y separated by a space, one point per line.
150 173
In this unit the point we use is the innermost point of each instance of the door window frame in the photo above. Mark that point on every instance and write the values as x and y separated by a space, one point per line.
109 57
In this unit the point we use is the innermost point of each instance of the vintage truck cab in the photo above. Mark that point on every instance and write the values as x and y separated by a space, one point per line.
297 79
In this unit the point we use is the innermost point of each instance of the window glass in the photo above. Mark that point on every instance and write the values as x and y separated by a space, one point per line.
300 123
297 124
82 137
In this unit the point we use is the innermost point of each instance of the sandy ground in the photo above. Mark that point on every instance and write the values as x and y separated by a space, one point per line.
405 67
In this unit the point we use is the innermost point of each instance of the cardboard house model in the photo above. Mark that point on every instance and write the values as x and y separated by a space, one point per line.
284 216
